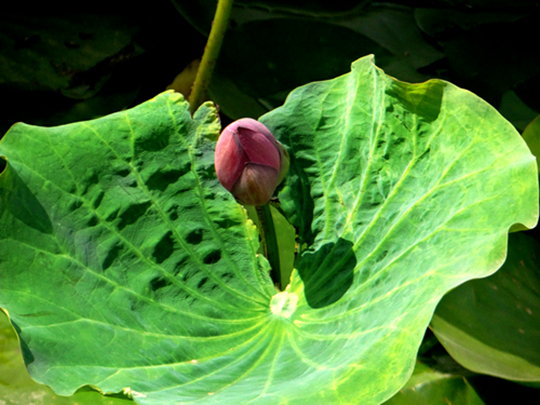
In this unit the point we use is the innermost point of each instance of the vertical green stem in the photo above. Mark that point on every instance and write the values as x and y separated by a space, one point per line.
211 52
269 242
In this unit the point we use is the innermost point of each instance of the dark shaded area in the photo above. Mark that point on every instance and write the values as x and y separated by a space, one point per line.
133 213
93 221
160 45
153 141
327 273
212 257
494 57
195 237
298 206
307 6
97 201
320 51
164 248
119 395
483 46
112 255
75 204
202 282
28 357
162 179
16 197
494 391
158 282
225 223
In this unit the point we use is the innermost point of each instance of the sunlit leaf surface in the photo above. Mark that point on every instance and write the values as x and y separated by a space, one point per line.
400 192
124 263
17 388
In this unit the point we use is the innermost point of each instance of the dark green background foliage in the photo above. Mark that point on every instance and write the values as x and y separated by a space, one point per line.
478 45
60 65
64 64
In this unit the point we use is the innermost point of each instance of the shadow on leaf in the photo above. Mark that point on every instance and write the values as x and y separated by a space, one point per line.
327 273
19 200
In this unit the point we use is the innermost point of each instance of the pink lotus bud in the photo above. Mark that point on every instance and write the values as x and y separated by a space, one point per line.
250 162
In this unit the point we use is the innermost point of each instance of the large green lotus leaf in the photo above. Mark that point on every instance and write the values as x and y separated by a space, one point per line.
492 325
428 386
399 193
17 388
124 263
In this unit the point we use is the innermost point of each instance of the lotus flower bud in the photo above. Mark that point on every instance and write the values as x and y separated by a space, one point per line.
250 162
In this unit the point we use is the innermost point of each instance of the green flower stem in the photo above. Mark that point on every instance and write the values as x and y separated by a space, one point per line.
269 242
211 52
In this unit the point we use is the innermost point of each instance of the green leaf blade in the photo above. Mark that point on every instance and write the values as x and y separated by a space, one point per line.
132 283
399 192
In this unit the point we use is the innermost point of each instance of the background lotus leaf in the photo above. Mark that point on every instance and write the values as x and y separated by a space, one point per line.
492 325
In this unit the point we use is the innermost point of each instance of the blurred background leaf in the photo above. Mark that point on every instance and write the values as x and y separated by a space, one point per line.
492 325
61 64
477 45
429 386
439 379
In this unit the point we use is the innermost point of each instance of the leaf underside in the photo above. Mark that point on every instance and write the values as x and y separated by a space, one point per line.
124 263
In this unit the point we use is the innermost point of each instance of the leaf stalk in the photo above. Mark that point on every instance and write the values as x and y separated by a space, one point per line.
211 53
269 242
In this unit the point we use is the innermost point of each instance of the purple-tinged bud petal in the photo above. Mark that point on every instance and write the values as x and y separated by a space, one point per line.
249 161
256 184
